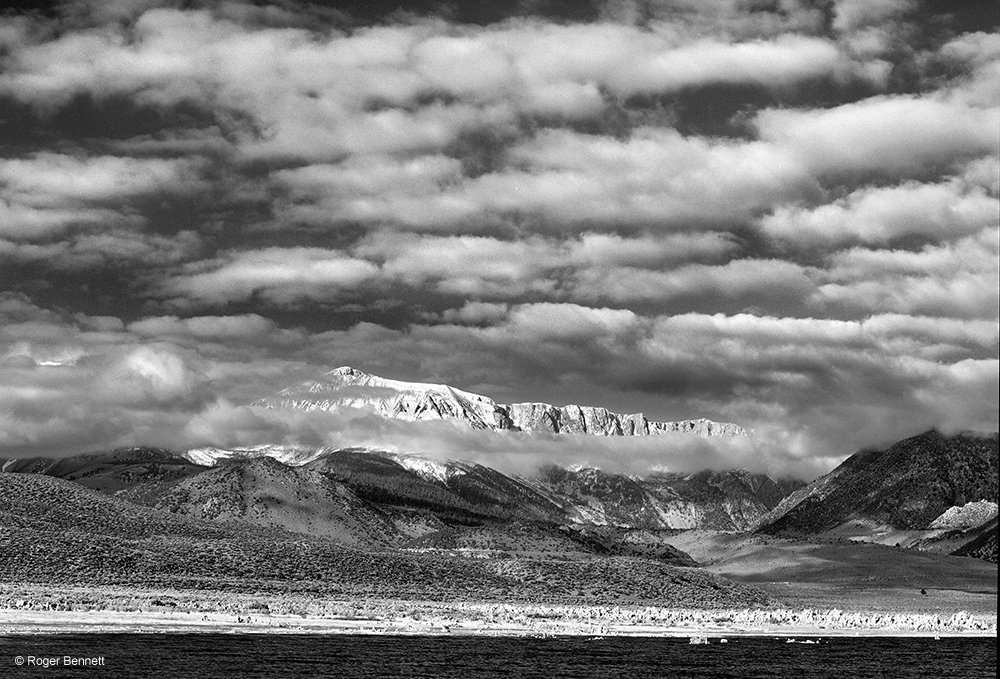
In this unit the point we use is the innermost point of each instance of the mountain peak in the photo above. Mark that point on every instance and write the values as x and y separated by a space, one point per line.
347 387
347 371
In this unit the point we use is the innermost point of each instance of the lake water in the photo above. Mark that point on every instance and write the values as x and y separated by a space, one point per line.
206 656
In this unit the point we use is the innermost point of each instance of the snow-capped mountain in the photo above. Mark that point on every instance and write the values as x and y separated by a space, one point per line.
348 387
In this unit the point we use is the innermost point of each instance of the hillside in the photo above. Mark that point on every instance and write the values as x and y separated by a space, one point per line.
983 545
734 500
905 486
55 531
263 492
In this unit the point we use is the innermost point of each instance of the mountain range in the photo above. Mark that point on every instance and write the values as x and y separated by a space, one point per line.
347 387
363 523
930 492
400 496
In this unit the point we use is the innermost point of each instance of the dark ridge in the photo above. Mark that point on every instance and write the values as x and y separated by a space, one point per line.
906 485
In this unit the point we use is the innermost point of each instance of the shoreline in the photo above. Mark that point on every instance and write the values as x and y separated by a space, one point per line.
40 609
39 622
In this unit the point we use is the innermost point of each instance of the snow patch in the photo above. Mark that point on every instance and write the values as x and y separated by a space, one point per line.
429 470
293 456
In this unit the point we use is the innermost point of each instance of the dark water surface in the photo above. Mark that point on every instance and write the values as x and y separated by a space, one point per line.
206 656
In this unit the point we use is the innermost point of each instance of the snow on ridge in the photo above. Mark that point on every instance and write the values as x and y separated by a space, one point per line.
428 470
293 456
353 376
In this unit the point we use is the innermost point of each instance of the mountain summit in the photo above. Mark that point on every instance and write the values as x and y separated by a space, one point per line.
347 387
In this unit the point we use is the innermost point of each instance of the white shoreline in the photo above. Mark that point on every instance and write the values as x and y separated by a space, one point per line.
34 622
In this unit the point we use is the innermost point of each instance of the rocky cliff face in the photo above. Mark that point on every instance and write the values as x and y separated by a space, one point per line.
347 387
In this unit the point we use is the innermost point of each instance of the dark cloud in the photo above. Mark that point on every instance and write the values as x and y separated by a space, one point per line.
783 214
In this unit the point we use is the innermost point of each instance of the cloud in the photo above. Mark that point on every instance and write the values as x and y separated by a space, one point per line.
46 194
28 223
471 266
849 15
656 176
204 327
287 92
115 245
157 374
762 283
53 179
475 313
976 56
950 280
877 135
277 274
879 215
167 59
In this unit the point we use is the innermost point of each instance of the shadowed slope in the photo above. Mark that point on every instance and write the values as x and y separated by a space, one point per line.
905 486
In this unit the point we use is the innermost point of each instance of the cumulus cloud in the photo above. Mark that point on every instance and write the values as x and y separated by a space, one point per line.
52 179
850 15
879 214
221 327
657 176
877 135
113 244
43 195
278 274
955 279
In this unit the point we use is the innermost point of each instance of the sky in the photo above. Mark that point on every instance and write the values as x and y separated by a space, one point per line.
782 214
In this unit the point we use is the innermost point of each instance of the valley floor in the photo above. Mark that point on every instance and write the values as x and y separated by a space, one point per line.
822 573
48 609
